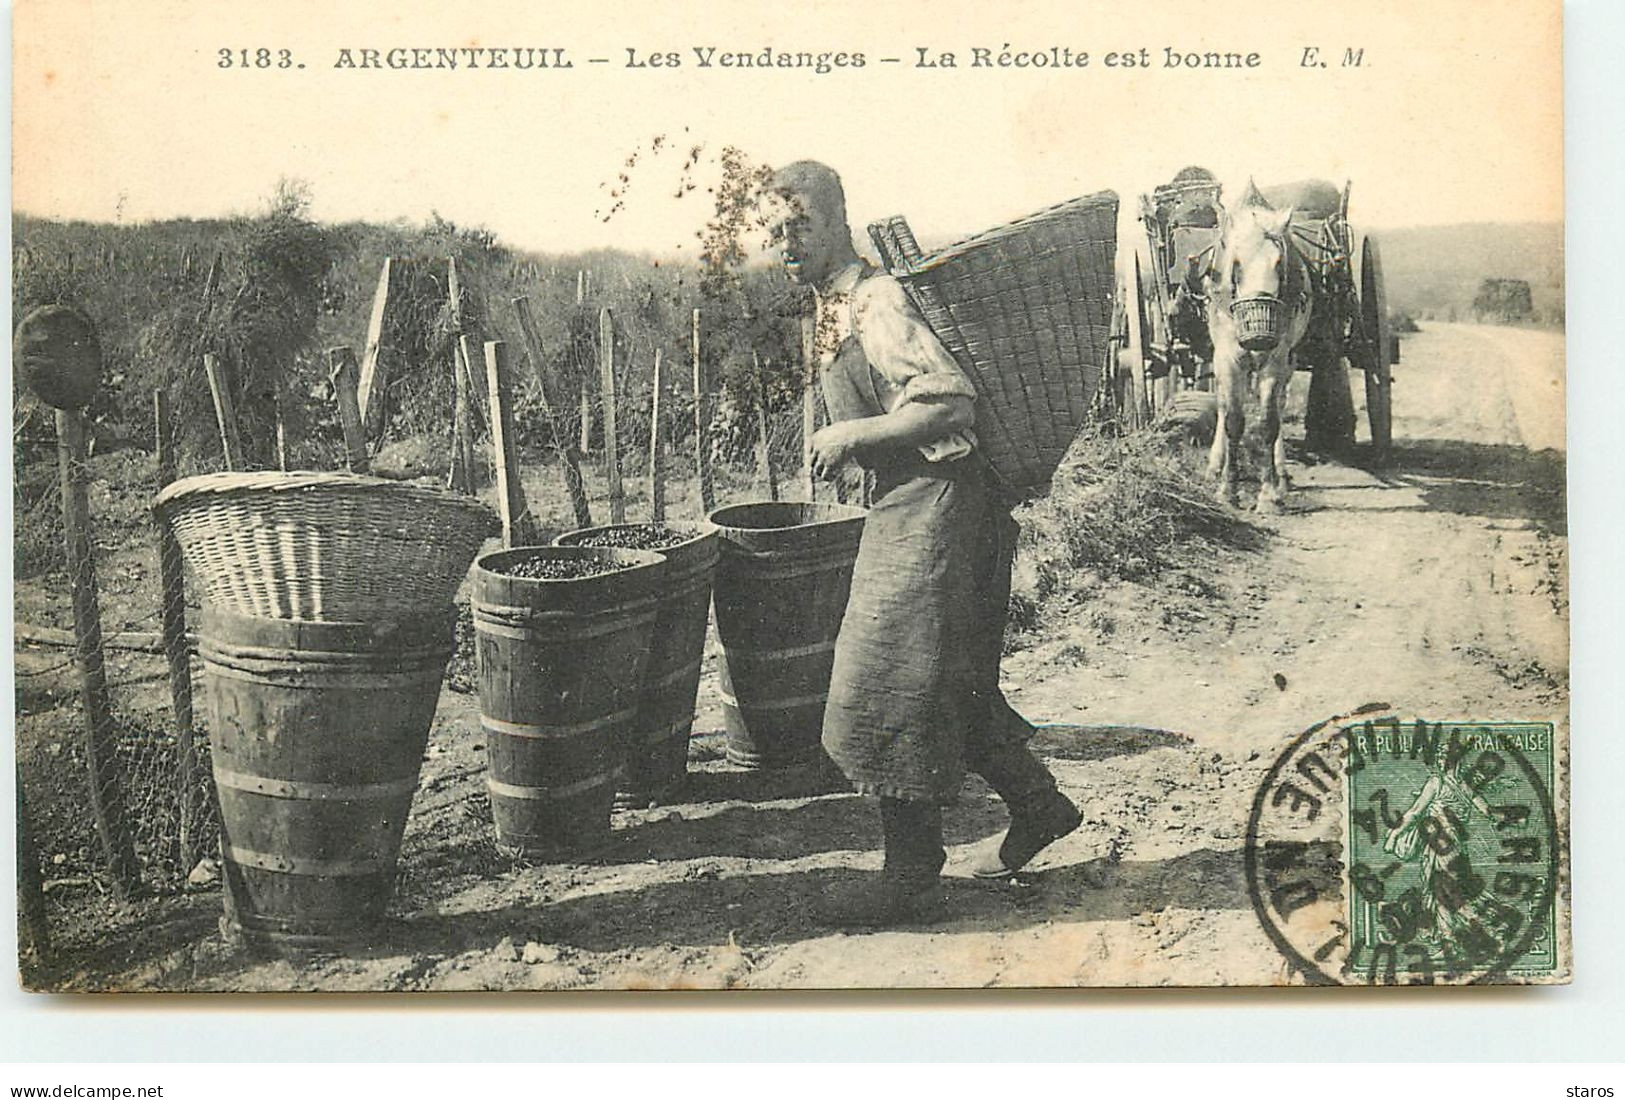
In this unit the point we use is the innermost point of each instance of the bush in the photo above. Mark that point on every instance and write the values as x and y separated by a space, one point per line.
258 317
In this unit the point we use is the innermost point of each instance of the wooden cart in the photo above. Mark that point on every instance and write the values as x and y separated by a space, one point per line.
1162 363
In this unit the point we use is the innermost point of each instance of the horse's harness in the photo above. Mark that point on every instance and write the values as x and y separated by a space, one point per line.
1260 318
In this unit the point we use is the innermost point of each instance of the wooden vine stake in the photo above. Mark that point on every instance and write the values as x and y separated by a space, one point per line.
287 443
606 388
57 353
809 401
476 390
101 740
657 484
225 412
33 928
702 447
568 460
284 446
345 377
374 367
463 476
517 529
585 411
211 281
462 425
764 452
172 613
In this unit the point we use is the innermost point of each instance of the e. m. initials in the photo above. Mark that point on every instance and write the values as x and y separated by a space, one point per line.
1353 58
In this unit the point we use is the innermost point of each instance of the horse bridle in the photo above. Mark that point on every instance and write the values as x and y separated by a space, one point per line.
1260 318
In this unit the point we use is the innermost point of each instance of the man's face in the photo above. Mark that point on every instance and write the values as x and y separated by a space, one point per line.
809 239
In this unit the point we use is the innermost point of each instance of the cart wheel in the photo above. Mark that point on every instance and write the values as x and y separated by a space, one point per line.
1134 351
1162 391
1193 414
1116 384
1379 337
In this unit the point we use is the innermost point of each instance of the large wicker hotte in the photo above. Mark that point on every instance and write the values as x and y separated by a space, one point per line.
324 547
1026 311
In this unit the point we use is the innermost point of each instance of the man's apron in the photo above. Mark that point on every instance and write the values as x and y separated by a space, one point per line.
916 675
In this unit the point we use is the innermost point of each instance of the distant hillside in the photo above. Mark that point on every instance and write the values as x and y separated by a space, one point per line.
1433 270
286 288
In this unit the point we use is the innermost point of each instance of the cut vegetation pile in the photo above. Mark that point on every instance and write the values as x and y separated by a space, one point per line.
1124 505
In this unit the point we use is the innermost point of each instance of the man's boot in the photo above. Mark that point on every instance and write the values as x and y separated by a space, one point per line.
1039 813
908 890
1034 826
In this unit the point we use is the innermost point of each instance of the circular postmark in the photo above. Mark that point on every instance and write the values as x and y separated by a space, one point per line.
1390 852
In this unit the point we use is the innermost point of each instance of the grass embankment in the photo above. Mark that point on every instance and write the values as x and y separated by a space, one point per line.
1128 506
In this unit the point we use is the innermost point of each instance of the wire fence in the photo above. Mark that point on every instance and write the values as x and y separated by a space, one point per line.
113 756
117 801
112 746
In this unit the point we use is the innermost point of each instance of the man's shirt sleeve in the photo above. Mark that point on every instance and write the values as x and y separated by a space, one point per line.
901 347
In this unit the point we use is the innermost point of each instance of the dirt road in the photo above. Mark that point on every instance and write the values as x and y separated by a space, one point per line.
1438 587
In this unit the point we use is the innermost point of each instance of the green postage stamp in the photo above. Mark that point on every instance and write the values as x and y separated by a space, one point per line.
1451 849
1382 851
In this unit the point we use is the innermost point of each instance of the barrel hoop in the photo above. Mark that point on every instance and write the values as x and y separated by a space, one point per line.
782 654
683 582
524 623
777 704
677 675
525 613
539 732
316 868
282 673
514 790
837 552
681 728
794 567
253 656
314 792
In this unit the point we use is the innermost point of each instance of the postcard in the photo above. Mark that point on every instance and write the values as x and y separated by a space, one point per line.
849 495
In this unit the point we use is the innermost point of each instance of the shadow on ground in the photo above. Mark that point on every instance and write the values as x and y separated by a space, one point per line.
723 783
731 814
1083 743
147 932
782 908
726 815
1486 480
1493 481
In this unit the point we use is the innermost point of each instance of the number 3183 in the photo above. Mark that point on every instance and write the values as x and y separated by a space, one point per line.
262 58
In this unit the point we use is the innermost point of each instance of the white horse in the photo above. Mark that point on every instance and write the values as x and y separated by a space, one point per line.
1259 300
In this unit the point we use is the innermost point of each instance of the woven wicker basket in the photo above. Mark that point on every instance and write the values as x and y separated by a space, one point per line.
324 547
1026 311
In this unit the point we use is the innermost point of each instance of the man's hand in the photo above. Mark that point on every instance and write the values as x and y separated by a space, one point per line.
832 445
911 424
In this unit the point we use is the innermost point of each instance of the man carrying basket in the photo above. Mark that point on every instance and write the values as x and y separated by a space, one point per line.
914 699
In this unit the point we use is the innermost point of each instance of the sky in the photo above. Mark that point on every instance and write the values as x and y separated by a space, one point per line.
123 111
